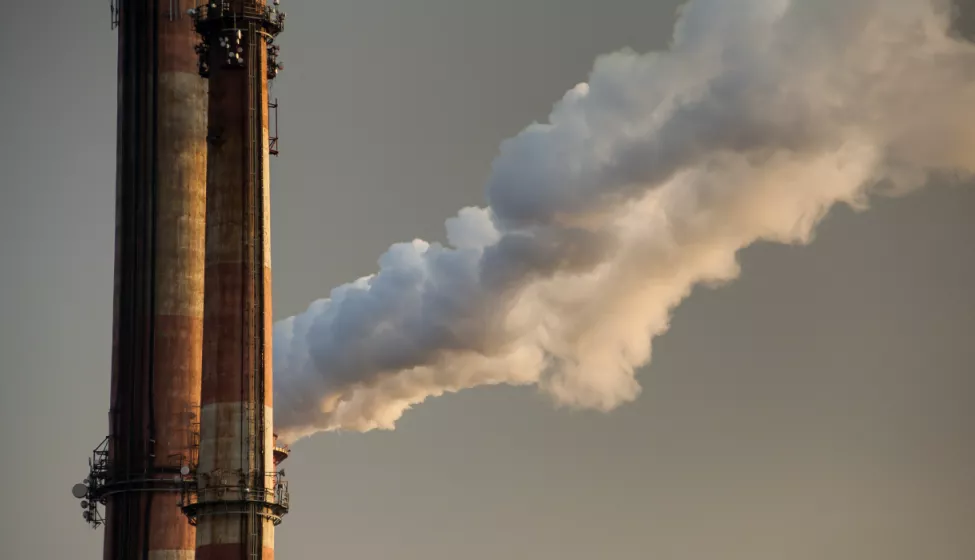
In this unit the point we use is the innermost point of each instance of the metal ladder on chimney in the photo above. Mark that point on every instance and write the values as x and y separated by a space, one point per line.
256 405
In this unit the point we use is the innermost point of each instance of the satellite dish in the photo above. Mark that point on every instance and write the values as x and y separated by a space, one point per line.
84 504
184 470
79 491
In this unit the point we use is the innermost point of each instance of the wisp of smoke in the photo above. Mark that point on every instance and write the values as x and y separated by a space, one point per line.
646 181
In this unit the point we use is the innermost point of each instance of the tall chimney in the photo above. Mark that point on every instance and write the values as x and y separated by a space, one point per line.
158 299
239 496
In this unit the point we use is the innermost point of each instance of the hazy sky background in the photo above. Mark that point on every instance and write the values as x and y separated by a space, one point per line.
818 408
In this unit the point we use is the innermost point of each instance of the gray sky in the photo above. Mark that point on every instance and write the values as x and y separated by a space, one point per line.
819 407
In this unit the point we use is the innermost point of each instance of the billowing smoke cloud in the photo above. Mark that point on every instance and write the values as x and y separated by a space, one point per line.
645 182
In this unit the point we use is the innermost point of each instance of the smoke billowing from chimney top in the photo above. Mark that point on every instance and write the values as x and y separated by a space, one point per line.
645 182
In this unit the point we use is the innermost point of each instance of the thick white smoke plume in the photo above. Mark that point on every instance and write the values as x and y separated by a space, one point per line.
646 181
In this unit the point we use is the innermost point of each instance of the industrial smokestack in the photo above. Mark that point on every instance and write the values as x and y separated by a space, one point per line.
158 295
646 181
236 497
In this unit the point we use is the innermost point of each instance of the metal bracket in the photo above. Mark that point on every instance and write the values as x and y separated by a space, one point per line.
102 483
272 140
221 26
113 7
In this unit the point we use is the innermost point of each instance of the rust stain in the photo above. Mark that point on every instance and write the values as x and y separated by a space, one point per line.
182 194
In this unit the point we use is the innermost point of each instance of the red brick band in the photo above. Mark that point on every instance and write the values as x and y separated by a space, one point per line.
177 38
227 325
